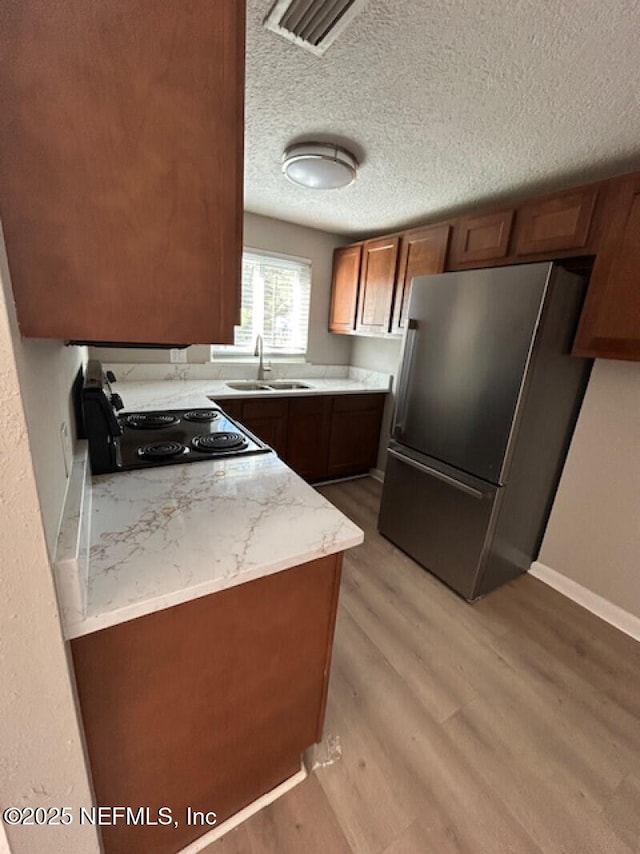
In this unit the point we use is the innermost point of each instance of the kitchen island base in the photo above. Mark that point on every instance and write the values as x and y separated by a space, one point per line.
207 705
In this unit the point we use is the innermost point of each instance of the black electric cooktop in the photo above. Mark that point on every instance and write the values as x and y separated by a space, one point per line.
170 436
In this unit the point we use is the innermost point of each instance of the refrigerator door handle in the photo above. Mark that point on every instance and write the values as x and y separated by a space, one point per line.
403 386
451 481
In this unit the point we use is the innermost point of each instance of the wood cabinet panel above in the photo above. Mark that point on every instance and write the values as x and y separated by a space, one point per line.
610 322
344 293
600 219
377 280
558 223
423 251
121 170
481 238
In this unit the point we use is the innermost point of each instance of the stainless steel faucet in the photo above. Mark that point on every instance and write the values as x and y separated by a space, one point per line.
262 369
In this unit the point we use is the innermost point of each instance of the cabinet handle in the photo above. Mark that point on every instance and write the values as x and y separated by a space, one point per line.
407 368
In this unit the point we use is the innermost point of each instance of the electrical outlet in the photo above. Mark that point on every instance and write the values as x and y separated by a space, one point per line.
177 357
67 450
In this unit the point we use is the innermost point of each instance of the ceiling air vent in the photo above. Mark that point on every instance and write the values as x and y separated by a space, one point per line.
312 24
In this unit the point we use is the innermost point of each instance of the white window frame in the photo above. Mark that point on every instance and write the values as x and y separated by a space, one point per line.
231 352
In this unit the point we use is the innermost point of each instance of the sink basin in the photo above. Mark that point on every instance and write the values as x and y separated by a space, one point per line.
256 385
248 385
277 385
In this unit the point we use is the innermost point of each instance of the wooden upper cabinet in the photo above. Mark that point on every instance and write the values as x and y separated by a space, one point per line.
423 251
557 223
610 322
377 280
121 164
344 288
481 238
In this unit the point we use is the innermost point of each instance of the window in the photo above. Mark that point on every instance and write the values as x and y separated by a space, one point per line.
276 291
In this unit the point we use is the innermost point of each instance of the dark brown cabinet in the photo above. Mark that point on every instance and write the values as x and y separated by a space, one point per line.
422 251
355 434
610 322
266 417
481 238
308 430
377 281
217 701
344 291
558 223
318 436
121 163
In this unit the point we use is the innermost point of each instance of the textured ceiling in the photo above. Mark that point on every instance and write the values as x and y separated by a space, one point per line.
447 103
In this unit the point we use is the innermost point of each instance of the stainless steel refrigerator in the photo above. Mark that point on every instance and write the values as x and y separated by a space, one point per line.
487 400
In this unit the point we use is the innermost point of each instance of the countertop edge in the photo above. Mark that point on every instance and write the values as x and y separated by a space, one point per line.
107 619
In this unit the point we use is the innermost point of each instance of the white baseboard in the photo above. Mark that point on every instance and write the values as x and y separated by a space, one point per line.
598 605
377 474
254 807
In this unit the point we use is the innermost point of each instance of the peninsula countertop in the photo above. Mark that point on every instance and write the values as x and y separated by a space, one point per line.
162 536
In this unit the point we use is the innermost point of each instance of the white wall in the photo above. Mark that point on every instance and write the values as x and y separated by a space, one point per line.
46 370
42 761
593 535
380 354
275 235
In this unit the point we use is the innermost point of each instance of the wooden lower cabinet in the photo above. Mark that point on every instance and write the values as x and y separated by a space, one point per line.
355 434
265 417
208 704
308 431
318 436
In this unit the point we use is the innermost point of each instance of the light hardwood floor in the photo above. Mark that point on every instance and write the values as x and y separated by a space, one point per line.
510 725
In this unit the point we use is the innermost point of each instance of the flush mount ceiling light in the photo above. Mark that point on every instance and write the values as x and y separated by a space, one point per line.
319 165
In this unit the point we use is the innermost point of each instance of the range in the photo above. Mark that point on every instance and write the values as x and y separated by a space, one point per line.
120 441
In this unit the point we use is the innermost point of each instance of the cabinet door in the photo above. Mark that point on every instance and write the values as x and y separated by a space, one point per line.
422 252
557 223
344 288
308 436
267 418
217 701
355 433
121 167
610 322
481 238
377 278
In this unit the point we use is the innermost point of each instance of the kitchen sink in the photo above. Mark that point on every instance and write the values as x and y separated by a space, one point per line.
249 385
278 385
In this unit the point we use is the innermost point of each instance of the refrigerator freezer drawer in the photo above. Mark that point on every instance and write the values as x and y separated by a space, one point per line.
440 520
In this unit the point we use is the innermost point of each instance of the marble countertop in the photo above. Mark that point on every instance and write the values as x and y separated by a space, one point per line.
188 389
136 542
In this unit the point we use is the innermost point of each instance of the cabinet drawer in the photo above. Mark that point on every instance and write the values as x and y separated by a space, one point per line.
481 238
357 402
308 405
555 224
265 408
